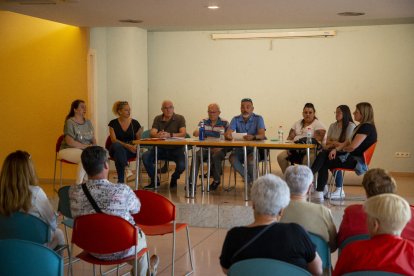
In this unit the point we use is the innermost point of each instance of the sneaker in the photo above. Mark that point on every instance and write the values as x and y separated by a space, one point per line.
173 183
338 194
317 196
214 185
154 262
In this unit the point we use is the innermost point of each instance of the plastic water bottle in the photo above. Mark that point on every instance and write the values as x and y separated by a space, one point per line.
309 136
222 135
280 133
201 132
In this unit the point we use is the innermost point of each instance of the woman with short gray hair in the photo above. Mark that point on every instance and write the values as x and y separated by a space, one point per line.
266 237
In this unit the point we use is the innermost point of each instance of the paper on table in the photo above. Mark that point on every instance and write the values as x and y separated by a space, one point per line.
238 136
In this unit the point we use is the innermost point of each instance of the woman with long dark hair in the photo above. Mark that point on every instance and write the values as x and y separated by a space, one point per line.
79 134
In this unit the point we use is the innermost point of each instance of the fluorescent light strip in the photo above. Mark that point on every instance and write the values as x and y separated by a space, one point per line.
273 35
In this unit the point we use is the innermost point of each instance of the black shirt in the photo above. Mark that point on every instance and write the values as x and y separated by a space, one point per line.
125 136
287 242
371 132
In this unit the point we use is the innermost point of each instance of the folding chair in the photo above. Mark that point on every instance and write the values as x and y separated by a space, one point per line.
157 218
57 149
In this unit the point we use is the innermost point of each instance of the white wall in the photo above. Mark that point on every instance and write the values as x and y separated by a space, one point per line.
374 63
121 72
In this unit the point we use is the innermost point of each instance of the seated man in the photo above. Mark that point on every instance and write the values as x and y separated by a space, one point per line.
252 124
166 125
266 237
315 218
387 215
113 199
375 182
214 125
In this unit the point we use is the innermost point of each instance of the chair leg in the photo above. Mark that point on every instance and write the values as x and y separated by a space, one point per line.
189 249
54 174
61 180
173 253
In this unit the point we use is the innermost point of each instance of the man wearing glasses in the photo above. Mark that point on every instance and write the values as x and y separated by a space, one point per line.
166 125
254 127
214 126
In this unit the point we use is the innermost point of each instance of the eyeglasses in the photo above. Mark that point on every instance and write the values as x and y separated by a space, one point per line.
246 100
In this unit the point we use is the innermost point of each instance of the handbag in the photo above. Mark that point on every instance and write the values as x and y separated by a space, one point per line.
296 156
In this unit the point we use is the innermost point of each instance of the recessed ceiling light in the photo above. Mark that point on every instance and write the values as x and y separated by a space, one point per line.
134 21
212 7
351 13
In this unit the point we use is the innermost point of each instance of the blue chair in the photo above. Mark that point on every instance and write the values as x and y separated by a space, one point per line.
265 267
23 226
372 273
322 247
20 258
352 239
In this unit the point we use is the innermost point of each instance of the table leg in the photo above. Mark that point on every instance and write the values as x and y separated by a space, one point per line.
246 196
202 169
194 157
208 169
156 168
137 167
254 164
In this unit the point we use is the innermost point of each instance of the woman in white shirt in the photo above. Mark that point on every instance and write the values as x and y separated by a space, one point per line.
299 130
19 192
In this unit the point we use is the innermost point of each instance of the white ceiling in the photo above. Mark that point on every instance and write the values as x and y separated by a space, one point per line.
180 15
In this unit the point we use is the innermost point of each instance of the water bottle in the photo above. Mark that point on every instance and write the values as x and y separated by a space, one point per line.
280 133
222 135
309 136
201 132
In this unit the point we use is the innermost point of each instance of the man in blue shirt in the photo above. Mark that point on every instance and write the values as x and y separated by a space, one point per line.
254 127
214 125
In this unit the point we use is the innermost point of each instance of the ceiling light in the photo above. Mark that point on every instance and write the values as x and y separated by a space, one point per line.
213 7
272 35
351 13
134 21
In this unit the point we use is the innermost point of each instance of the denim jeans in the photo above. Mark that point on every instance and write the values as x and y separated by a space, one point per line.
237 160
216 159
121 156
175 154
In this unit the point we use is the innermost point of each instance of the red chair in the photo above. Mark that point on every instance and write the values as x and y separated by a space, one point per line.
157 218
104 234
367 155
57 149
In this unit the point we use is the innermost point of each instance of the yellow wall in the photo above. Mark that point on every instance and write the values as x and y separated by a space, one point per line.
43 68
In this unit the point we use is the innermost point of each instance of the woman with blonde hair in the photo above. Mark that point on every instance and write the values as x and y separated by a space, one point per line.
19 192
79 134
350 155
123 130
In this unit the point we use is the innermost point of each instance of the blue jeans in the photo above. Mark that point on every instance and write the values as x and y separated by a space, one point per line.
121 156
175 154
216 159
237 160
339 179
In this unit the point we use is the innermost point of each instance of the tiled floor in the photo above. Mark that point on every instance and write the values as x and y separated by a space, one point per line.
207 242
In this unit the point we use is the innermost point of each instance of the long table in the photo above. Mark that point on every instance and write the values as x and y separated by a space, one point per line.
209 143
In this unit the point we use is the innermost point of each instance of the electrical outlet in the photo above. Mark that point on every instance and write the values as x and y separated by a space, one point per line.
401 154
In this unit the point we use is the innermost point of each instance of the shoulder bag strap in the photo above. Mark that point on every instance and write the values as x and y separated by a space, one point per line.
251 241
90 198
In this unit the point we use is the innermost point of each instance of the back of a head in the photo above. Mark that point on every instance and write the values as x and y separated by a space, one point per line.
270 195
93 159
298 178
390 210
378 181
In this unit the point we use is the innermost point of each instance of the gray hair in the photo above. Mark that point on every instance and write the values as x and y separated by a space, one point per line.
270 195
298 178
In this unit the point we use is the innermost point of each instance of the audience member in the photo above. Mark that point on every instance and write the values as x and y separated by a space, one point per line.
123 131
387 215
266 237
79 135
254 127
299 130
315 218
166 125
214 125
118 200
375 182
349 155
19 192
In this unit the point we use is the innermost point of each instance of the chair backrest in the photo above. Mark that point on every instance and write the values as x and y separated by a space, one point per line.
64 202
352 239
19 257
265 267
103 234
24 226
322 247
368 153
59 142
108 142
145 134
372 273
155 209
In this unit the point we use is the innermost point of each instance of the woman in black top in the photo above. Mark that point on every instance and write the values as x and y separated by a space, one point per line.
350 154
123 131
266 237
